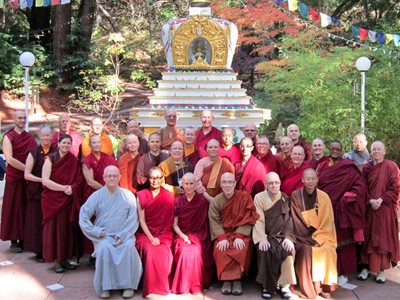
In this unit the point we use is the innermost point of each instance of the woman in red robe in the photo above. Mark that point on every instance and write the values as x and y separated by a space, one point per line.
192 245
62 189
154 237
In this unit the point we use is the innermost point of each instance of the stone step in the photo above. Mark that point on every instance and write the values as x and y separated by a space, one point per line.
245 100
201 92
190 84
206 76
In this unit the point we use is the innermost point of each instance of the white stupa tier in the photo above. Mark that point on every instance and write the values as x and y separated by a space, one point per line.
199 52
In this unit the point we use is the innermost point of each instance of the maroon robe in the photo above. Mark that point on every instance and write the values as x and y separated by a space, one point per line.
319 164
60 211
14 199
347 190
251 176
202 139
307 149
98 166
197 256
233 154
157 260
273 164
76 141
381 232
292 180
33 223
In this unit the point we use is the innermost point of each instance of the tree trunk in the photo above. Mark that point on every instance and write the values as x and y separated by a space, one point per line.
62 22
87 11
110 19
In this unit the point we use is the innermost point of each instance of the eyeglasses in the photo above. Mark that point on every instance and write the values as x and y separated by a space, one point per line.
155 178
262 144
250 130
335 149
245 146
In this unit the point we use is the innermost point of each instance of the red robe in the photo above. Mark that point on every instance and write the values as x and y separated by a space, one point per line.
233 154
292 180
229 219
273 164
381 232
347 190
157 260
307 149
33 223
251 176
76 141
14 200
60 211
98 166
225 167
202 140
197 256
319 164
127 167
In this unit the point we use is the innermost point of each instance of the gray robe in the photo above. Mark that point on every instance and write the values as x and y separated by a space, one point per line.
116 267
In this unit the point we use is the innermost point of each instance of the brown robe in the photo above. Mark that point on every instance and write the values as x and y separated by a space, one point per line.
229 219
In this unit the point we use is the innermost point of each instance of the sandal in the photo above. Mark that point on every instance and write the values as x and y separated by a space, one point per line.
226 288
265 294
58 269
237 288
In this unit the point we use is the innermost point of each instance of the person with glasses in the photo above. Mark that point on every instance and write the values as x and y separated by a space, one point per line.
232 214
347 189
315 261
206 132
274 238
249 171
174 167
118 265
270 161
154 237
170 133
97 126
62 194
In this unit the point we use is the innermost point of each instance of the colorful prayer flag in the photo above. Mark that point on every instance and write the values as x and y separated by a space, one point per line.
22 4
381 38
47 3
39 3
314 14
1 3
356 31
65 1
325 20
55 2
29 3
279 1
14 4
396 40
388 38
372 36
363 33
346 26
304 9
293 5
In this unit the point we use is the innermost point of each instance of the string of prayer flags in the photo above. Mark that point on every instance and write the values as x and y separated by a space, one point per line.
22 4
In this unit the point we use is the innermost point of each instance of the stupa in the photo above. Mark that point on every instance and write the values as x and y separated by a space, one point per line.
199 52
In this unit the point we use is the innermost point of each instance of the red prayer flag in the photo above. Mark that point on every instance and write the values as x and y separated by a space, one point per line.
363 33
14 4
314 14
55 2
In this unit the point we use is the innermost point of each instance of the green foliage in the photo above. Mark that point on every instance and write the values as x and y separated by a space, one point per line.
316 88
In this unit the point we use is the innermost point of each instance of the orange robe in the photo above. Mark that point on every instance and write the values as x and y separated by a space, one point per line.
106 145
229 219
127 167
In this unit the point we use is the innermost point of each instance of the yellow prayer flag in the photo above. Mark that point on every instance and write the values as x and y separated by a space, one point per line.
39 3
293 5
388 38
346 26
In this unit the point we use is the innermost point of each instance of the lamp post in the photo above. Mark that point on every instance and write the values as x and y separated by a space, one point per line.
363 64
27 59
